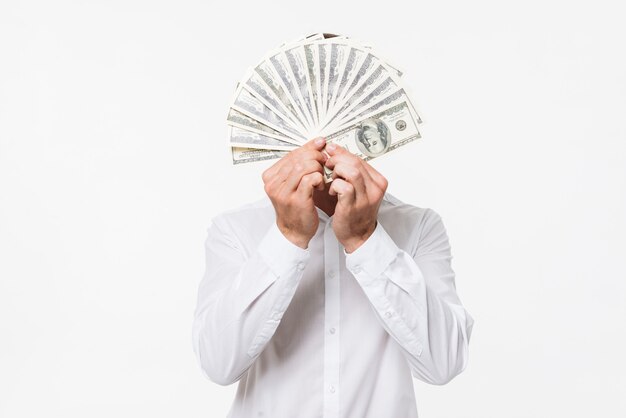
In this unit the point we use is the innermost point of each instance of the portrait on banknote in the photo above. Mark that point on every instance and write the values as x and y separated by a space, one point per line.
372 137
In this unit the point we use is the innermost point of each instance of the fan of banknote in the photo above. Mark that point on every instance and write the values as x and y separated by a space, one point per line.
322 85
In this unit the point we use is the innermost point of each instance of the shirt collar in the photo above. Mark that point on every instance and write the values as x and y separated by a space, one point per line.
322 215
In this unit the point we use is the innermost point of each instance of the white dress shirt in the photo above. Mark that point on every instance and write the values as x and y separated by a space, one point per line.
319 333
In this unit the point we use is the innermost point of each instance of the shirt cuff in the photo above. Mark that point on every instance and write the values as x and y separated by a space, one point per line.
280 254
373 257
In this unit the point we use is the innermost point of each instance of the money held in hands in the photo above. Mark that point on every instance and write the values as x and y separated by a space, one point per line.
322 85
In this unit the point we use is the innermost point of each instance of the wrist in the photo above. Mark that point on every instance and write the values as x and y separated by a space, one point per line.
296 238
352 243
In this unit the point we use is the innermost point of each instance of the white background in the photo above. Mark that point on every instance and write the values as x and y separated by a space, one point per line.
114 157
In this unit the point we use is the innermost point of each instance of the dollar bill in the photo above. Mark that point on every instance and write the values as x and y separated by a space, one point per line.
395 97
337 58
299 70
379 92
321 85
302 39
247 139
350 67
243 155
369 64
261 91
268 74
324 64
378 134
240 120
368 83
279 61
249 105
312 76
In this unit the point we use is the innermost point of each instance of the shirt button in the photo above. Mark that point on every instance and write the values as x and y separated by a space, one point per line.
331 274
357 269
388 314
332 330
300 266
332 389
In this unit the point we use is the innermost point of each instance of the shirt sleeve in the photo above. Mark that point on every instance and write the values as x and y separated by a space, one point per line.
414 296
241 299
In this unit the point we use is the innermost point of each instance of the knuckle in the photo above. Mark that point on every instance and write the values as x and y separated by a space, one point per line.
314 166
353 160
265 176
306 179
353 173
384 183
313 155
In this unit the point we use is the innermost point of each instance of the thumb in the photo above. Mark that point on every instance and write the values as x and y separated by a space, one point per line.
316 143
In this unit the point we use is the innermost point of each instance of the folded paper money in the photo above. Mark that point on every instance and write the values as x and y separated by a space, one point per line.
322 85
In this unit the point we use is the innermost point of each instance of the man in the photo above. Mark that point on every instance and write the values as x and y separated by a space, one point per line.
323 300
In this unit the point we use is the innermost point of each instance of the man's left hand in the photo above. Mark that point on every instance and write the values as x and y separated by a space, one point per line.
360 190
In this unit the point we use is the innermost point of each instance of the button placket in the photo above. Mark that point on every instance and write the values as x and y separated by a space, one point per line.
331 323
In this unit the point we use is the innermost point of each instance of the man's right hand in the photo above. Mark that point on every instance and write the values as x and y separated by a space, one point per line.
289 183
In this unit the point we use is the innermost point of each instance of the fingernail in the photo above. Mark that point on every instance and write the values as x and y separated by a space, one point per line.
319 141
331 147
